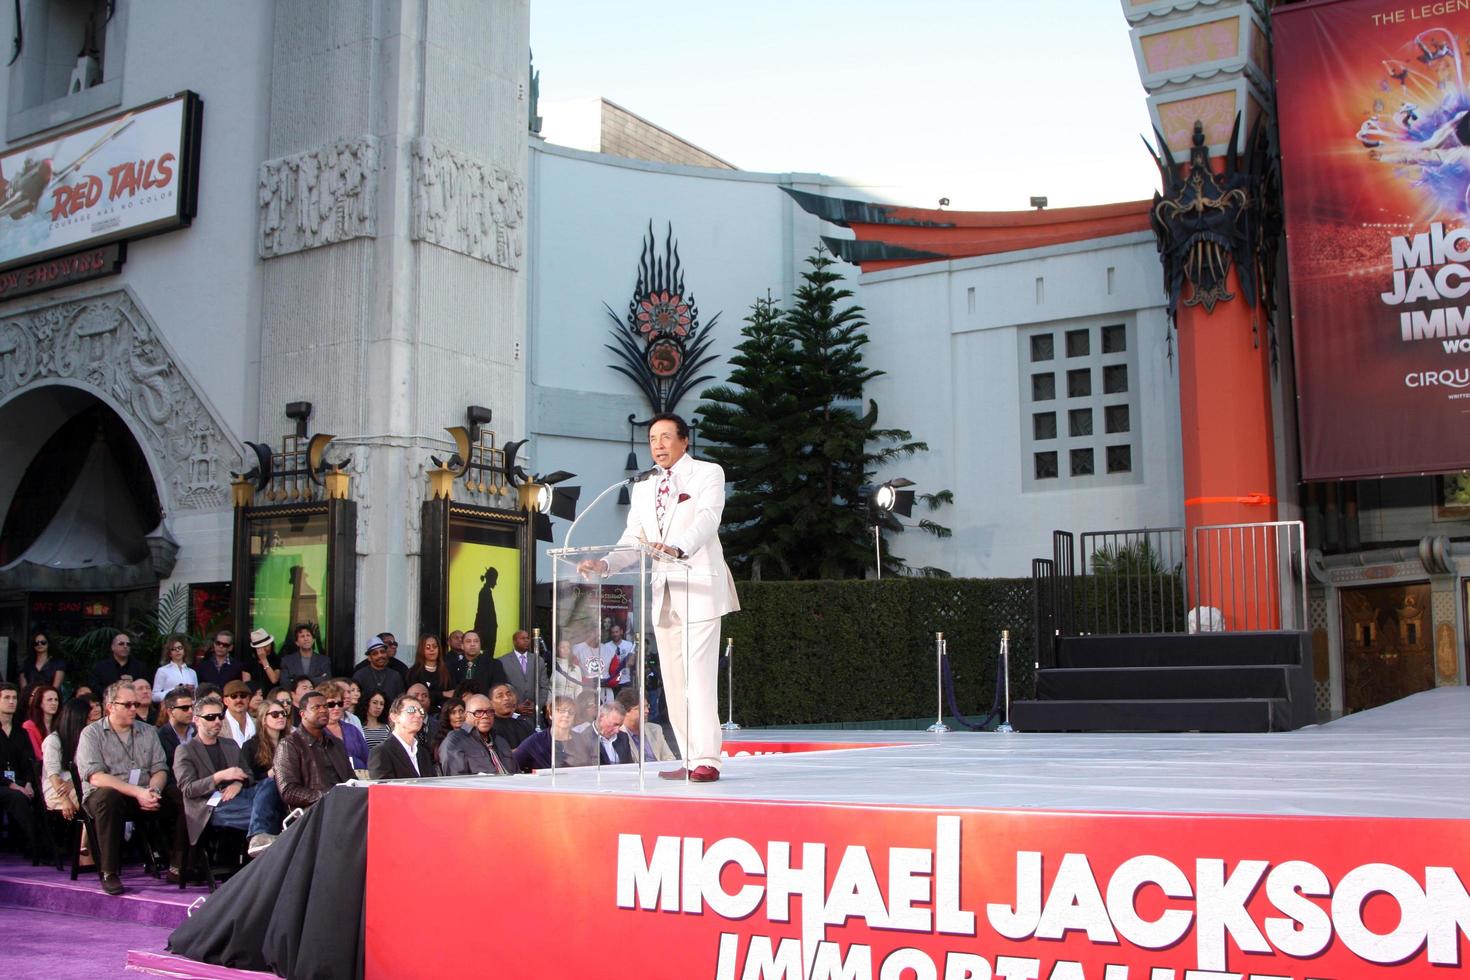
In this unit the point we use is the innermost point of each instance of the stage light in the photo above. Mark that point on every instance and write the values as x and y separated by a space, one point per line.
884 501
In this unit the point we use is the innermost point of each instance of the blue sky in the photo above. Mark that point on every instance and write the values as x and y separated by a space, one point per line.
983 102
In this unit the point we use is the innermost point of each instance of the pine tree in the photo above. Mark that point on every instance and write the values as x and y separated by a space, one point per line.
798 441
745 424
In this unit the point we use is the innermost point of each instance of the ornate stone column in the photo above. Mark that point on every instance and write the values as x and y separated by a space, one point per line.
392 225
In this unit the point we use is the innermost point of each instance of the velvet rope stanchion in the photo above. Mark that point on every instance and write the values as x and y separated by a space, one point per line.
1005 672
730 726
939 726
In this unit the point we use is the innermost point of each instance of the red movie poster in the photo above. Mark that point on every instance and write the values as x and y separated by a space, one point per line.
1372 99
561 884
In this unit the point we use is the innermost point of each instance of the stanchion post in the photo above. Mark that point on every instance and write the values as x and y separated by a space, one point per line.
1005 673
730 725
939 649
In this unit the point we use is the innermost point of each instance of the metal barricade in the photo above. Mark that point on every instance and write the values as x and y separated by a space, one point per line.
1132 581
1255 575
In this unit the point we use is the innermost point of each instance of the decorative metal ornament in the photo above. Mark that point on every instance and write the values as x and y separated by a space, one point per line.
1206 223
660 344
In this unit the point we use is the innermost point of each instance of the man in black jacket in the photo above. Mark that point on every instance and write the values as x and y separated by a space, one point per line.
403 755
121 664
472 750
18 782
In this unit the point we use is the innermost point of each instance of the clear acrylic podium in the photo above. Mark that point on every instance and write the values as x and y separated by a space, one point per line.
603 617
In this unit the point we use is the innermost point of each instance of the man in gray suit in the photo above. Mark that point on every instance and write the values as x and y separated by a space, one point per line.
212 776
526 672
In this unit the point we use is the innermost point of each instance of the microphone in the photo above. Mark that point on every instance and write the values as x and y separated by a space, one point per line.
652 471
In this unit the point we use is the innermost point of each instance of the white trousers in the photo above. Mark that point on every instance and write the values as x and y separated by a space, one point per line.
694 711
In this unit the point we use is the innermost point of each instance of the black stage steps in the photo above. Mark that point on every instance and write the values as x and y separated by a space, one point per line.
1206 682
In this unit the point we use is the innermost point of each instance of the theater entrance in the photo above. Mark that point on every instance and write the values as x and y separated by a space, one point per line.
81 544
1387 642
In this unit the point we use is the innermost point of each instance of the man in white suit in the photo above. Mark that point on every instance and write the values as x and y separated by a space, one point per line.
677 511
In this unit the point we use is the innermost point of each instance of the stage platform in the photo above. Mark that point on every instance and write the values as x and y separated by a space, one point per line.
1406 759
1335 851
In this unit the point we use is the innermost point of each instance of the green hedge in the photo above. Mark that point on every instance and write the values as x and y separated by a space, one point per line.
859 650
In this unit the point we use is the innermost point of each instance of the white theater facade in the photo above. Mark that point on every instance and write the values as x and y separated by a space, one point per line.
367 225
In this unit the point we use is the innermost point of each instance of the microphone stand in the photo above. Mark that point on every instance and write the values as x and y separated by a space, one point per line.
536 680
625 482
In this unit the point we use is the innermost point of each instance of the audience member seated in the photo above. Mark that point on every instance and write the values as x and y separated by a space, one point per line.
373 713
143 690
615 746
351 697
511 727
299 687
403 755
377 674
17 769
265 666
420 694
58 763
471 749
178 725
558 742
431 670
239 726
42 665
394 664
648 739
175 670
41 707
451 717
219 666
352 740
310 761
476 670
120 664
123 773
272 723
213 779
303 660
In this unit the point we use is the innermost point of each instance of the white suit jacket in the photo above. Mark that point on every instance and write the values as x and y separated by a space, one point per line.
694 528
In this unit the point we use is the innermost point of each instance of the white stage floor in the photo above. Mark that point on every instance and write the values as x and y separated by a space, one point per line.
1407 759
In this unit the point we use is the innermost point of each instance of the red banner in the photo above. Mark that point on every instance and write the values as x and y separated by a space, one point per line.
568 885
1375 156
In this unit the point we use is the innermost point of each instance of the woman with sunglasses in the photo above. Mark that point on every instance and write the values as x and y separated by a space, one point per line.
272 724
174 670
44 667
352 740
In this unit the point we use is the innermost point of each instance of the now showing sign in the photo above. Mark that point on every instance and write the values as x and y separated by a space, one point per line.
127 176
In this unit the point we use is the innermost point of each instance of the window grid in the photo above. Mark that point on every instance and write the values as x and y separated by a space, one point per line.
1079 428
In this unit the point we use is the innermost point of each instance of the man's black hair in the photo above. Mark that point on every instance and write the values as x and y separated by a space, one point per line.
681 428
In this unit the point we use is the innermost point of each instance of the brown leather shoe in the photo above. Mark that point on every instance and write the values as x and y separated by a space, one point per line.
704 774
680 773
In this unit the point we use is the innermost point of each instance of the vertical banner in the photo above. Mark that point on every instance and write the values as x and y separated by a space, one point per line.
485 581
1374 114
736 890
288 575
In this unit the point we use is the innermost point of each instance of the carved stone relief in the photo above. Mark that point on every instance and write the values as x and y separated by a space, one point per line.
467 206
105 343
320 197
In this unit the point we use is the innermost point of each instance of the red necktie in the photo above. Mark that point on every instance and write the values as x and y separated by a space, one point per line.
661 500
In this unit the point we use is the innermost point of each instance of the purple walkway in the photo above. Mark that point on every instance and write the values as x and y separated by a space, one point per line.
57 929
57 946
